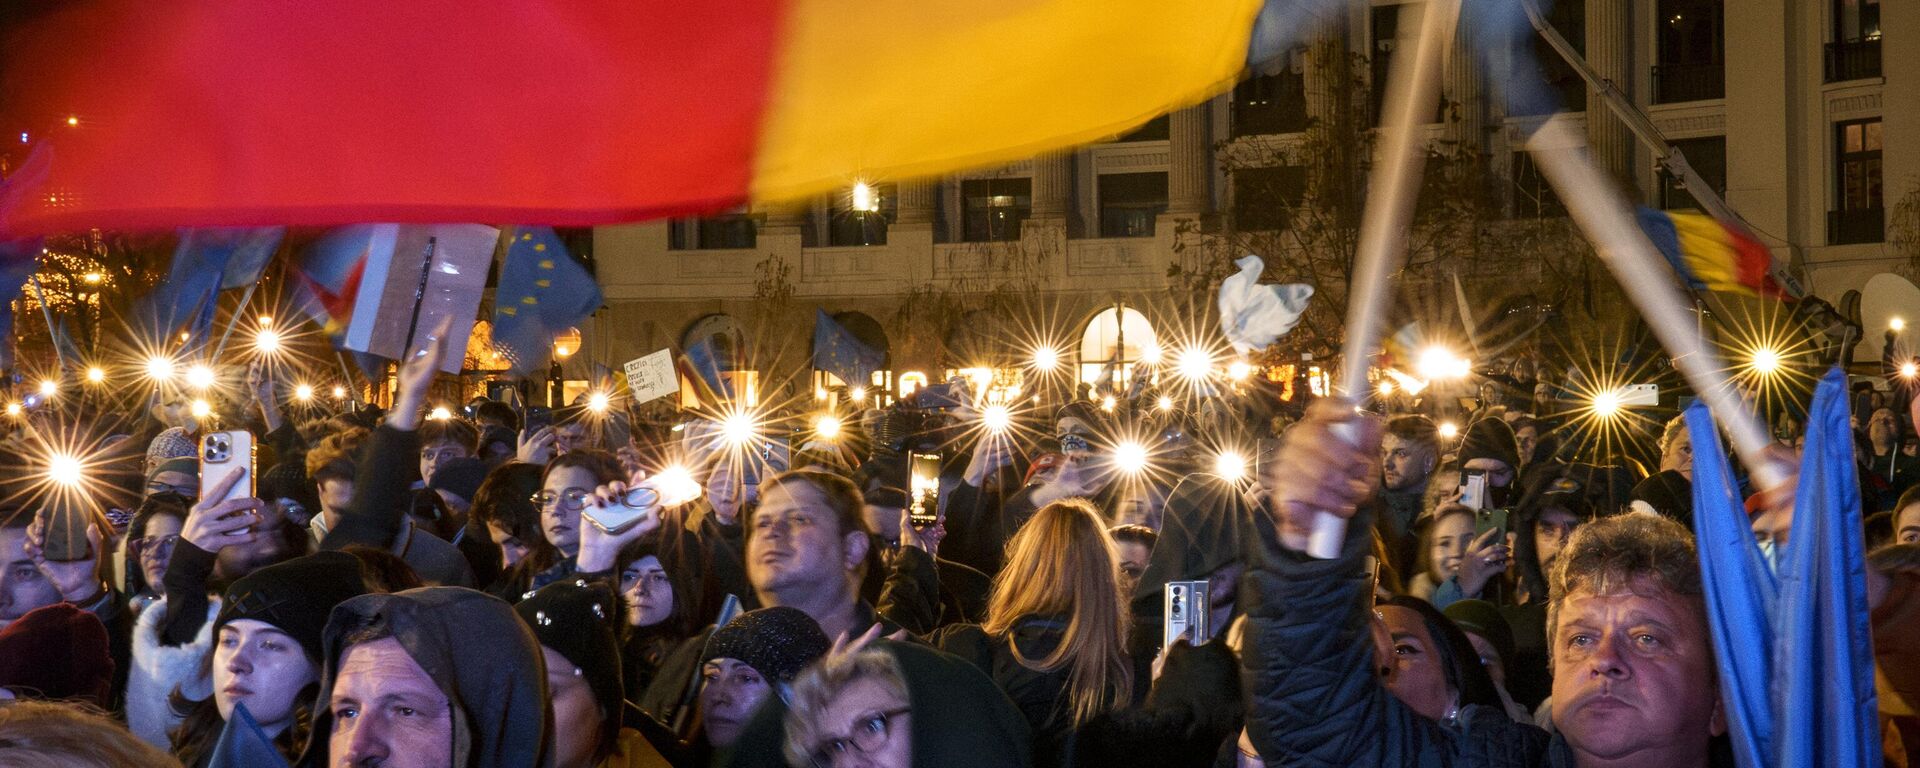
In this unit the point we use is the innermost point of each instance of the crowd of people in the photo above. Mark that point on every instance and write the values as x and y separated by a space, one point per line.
1088 586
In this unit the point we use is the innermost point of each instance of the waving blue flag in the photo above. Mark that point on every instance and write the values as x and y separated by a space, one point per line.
837 351
706 365
203 263
1796 660
543 292
244 744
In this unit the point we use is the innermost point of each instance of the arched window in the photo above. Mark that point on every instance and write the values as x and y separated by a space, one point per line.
1118 337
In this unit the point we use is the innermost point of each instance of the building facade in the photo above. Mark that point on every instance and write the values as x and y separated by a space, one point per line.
1791 107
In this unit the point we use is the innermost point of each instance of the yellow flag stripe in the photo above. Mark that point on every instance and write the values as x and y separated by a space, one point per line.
893 91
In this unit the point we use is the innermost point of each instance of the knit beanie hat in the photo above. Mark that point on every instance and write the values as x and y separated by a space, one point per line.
295 596
460 477
171 443
776 642
1482 618
1490 439
580 620
288 480
57 652
187 466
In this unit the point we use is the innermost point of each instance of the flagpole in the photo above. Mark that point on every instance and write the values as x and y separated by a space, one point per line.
238 312
53 336
1559 151
1413 93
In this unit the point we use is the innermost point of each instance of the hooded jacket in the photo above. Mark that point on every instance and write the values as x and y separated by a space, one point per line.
483 657
961 717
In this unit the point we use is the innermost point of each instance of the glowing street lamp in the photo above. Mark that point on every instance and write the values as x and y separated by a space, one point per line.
1230 465
1897 324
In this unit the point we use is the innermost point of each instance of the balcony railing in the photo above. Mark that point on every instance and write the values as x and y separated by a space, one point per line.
1853 60
1862 225
1688 82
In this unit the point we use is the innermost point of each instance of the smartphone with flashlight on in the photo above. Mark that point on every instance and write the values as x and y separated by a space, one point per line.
1473 488
923 474
223 454
619 518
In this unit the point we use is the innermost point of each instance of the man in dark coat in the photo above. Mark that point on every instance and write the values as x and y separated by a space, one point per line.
1633 662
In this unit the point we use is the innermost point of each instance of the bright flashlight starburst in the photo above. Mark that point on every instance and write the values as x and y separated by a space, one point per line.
1897 324
1764 361
1150 354
1130 457
1107 403
1385 387
1449 430
267 341
1046 359
1239 370
439 413
739 427
826 427
49 388
200 376
1164 403
303 392
96 374
858 394
65 469
598 402
201 409
676 486
1606 404
13 409
339 393
1230 465
160 368
1438 362
1194 363
996 418
1909 369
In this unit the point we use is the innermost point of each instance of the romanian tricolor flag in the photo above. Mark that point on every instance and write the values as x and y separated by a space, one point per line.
242 112
1710 254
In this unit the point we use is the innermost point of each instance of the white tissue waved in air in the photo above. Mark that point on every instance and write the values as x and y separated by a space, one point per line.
1253 315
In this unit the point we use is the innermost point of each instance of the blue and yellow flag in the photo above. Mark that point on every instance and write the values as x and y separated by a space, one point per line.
837 351
542 292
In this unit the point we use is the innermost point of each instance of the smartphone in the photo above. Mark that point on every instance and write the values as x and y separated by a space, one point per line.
1473 488
1187 613
924 470
223 454
64 530
1640 394
537 417
619 518
1490 520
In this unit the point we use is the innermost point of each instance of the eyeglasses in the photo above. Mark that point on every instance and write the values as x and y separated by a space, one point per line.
869 735
1070 443
157 546
572 499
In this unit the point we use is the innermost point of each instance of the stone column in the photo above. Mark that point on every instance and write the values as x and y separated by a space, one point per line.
1189 162
1465 91
916 202
1052 185
1610 53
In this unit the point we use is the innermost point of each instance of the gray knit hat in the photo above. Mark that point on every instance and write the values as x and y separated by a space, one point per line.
776 642
171 443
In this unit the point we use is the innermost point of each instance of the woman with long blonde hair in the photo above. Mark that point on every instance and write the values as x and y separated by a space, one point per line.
1055 635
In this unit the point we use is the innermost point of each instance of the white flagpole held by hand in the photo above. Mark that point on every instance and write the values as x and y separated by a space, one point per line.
1560 153
1413 94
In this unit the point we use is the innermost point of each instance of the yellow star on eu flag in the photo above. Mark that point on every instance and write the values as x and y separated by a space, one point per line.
543 283
510 311
546 263
529 300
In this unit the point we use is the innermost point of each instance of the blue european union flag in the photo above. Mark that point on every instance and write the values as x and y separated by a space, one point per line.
1795 656
202 264
542 292
837 351
706 364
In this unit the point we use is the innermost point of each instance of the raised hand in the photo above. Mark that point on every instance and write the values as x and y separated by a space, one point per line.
1320 468
215 525
416 375
598 548
78 580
